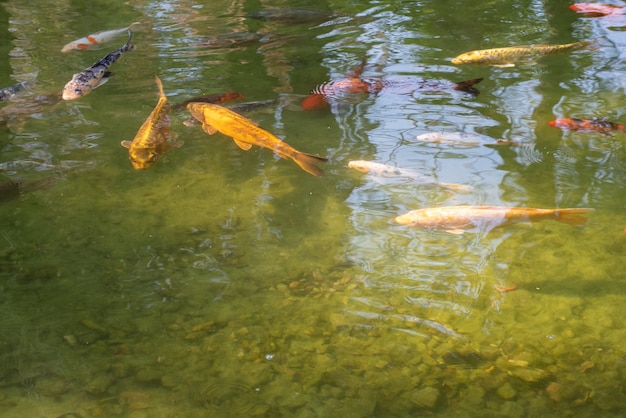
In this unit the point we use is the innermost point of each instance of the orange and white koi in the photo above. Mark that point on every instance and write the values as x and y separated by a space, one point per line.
152 139
456 219
97 39
95 75
590 125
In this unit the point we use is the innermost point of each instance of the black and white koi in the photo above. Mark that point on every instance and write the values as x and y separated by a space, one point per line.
95 75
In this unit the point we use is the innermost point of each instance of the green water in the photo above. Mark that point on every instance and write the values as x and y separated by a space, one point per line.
230 283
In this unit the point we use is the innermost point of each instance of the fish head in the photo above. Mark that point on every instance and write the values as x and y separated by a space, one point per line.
359 165
472 57
142 158
73 90
196 110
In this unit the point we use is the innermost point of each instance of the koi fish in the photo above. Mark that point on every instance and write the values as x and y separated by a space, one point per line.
320 96
9 92
230 40
12 189
95 75
593 125
597 9
508 56
152 139
290 15
456 219
96 39
462 138
247 133
387 171
217 98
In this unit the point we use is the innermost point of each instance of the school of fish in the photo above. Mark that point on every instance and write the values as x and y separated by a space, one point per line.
154 137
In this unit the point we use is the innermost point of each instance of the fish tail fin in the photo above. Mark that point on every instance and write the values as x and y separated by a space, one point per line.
158 82
129 45
571 216
468 86
308 163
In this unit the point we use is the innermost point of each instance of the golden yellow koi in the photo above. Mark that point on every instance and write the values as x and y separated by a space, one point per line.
455 219
152 139
247 133
508 56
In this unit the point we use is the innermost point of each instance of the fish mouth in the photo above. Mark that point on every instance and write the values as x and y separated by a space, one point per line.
455 61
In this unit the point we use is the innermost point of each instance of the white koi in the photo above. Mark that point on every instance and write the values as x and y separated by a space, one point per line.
96 39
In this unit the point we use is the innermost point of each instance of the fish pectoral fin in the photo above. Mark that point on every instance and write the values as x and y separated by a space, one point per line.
104 79
455 231
126 144
243 145
509 65
173 145
208 129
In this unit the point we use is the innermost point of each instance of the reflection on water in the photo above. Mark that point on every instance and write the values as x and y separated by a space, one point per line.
229 283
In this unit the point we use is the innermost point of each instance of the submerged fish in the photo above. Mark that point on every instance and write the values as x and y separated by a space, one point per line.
387 171
96 39
597 9
594 125
9 92
462 138
247 133
217 98
95 75
152 139
24 107
509 56
291 15
230 40
11 189
455 219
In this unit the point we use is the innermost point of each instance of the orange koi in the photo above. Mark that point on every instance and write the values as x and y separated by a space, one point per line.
597 9
96 39
592 125
246 133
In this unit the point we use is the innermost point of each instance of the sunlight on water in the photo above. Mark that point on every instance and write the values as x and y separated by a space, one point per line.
226 283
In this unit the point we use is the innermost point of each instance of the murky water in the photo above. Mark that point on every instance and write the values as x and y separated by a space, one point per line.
230 283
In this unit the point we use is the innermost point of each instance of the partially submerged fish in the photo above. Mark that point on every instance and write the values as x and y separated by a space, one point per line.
597 9
247 133
387 171
9 92
291 15
24 107
95 75
152 139
591 125
353 82
96 39
465 139
456 219
509 56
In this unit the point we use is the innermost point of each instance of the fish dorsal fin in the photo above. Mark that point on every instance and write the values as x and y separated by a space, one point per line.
243 145
208 129
126 144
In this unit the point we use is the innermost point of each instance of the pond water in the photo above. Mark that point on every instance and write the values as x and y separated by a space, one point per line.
224 282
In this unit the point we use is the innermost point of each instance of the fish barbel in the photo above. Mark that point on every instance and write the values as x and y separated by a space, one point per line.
387 171
508 56
152 139
96 39
455 219
95 75
246 133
